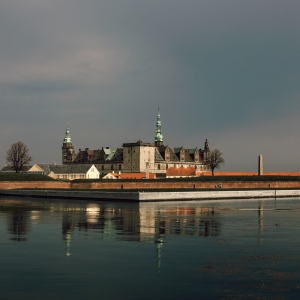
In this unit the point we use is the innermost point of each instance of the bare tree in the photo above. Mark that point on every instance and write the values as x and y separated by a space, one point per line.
215 160
17 156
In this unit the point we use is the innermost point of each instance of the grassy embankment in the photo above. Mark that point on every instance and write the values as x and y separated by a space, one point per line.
217 179
24 177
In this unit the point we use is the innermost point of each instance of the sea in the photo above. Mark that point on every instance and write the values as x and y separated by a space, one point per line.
83 249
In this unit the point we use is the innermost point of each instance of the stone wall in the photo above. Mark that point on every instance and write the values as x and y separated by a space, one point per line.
147 184
34 185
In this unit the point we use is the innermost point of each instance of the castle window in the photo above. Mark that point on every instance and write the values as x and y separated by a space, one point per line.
112 167
120 167
167 166
102 167
158 166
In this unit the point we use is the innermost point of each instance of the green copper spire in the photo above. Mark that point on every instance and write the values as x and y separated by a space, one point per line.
67 138
159 241
158 135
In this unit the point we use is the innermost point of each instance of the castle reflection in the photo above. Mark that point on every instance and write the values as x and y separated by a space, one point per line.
122 221
141 222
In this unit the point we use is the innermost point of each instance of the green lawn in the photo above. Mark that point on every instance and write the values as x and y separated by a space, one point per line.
24 177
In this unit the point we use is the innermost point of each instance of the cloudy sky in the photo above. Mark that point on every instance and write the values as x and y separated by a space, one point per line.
227 70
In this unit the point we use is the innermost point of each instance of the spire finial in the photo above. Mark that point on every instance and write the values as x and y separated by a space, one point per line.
67 138
158 135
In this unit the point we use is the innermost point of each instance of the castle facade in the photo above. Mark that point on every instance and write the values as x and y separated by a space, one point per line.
138 156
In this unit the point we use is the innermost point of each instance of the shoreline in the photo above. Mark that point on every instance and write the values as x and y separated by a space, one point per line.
151 196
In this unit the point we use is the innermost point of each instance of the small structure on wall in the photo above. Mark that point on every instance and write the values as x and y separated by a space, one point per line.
260 165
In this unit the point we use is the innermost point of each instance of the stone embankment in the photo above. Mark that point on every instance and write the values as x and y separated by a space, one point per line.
140 196
141 190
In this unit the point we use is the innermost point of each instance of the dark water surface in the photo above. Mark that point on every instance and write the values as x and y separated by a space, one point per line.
69 249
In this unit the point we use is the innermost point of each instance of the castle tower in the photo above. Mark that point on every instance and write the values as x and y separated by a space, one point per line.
206 150
68 153
158 135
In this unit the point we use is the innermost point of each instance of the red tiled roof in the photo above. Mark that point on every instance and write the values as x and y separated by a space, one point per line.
189 171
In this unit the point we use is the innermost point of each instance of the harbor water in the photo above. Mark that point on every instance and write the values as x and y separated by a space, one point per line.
77 249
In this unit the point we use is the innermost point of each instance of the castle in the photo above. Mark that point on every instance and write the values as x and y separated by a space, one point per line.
137 157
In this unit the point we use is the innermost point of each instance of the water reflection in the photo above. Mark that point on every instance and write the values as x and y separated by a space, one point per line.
67 229
217 248
19 216
143 222
18 224
122 221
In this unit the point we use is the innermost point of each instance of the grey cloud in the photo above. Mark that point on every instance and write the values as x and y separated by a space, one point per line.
104 66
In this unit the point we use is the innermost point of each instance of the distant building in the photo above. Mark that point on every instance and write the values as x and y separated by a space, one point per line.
69 172
113 175
138 156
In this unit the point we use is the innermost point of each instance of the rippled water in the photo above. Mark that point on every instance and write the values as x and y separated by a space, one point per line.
64 249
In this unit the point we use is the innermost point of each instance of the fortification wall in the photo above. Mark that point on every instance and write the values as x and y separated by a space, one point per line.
34 185
147 184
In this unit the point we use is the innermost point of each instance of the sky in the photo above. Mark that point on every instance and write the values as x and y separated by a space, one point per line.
228 71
